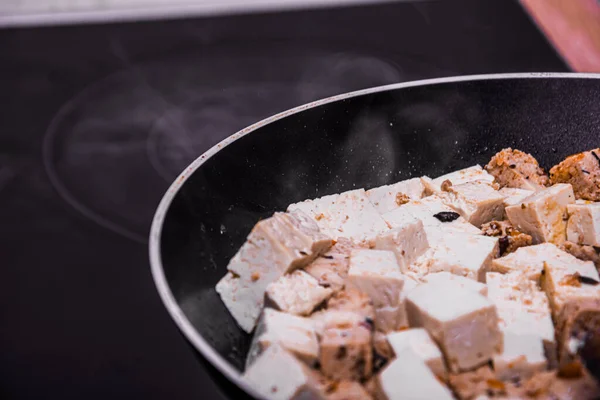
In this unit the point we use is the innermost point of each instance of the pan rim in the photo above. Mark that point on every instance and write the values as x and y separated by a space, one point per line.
201 345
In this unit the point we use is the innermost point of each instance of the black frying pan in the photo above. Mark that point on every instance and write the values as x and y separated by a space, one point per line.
362 139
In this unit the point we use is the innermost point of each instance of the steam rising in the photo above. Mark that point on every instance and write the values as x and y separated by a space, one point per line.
112 150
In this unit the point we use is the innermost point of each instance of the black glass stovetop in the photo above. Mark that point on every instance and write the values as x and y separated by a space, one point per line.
96 121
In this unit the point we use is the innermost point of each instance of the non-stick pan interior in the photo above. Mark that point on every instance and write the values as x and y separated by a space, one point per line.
363 141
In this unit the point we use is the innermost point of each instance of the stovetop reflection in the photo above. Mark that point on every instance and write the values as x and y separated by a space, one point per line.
97 120
109 146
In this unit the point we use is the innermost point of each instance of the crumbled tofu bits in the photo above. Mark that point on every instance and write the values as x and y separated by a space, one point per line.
480 283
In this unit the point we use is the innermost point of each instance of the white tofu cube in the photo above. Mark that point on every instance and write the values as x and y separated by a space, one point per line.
350 215
462 254
514 290
543 215
565 284
276 374
437 235
408 242
584 224
447 278
275 246
514 196
297 293
376 273
477 202
262 259
436 205
523 309
523 356
527 260
389 197
315 207
409 378
525 322
463 323
243 299
293 235
298 232
296 334
426 210
573 289
419 341
471 174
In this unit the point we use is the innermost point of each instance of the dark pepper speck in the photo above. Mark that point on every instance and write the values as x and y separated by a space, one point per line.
361 367
587 280
341 353
447 216
379 361
503 244
596 157
328 257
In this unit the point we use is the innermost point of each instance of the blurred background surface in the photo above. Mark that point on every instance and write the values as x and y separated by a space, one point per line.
104 102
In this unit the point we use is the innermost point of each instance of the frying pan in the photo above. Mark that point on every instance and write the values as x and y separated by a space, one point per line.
362 139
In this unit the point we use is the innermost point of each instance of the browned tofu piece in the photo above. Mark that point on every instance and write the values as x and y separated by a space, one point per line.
573 290
482 381
536 387
348 390
580 331
346 308
382 351
382 346
352 300
582 171
510 238
371 387
584 253
346 331
331 269
574 386
516 169
572 382
346 353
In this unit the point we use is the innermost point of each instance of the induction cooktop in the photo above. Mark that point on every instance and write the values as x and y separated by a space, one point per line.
97 119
